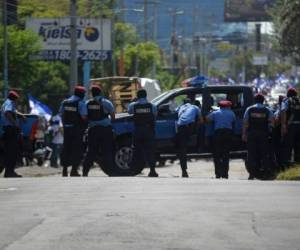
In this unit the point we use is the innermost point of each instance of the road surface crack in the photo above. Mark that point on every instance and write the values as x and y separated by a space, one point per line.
253 225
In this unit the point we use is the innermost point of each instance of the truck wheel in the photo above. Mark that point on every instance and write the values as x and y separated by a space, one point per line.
122 159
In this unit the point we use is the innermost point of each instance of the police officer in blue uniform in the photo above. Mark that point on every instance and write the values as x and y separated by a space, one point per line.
144 115
258 119
73 115
276 136
100 112
188 117
11 135
223 124
290 126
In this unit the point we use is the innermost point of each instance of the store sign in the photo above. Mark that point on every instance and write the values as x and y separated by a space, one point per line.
260 60
247 10
93 38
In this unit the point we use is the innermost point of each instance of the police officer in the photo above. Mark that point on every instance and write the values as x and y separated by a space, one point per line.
290 126
100 112
188 116
223 124
257 122
276 136
144 114
12 134
73 114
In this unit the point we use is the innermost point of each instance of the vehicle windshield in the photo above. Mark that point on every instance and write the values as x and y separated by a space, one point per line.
160 97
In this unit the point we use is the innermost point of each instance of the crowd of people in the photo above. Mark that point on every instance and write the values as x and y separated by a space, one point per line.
272 137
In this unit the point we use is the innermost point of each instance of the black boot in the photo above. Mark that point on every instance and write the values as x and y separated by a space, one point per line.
65 172
152 173
12 175
185 173
74 172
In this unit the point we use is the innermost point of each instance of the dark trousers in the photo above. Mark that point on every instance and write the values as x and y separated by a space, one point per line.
222 140
99 137
258 152
11 148
183 137
291 142
144 147
73 148
56 150
277 149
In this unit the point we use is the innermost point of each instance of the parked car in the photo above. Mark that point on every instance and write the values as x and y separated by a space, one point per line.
200 146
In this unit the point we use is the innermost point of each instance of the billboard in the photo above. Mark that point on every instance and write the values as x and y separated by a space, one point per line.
93 38
247 10
260 60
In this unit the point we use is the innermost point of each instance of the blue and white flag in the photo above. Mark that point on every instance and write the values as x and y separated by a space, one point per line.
38 108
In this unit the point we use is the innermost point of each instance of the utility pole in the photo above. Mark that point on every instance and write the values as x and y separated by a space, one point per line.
154 26
258 46
73 42
145 20
5 41
153 75
174 40
194 54
122 61
102 61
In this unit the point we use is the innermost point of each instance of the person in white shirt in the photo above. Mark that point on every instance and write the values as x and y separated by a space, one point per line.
56 130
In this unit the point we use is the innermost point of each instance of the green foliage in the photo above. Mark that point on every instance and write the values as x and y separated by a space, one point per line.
22 45
167 81
50 84
125 34
290 174
286 17
225 47
43 80
59 8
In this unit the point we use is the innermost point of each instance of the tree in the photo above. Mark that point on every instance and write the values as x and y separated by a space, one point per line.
286 17
45 80
22 45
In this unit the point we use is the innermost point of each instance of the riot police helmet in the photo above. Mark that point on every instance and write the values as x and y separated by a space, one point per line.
79 91
141 93
95 90
291 92
13 95
259 98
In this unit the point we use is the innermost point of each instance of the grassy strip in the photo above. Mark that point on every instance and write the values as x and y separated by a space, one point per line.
291 174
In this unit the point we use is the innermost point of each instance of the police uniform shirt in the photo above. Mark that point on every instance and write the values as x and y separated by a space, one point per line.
259 106
285 107
141 101
285 104
187 114
108 108
81 104
8 106
222 118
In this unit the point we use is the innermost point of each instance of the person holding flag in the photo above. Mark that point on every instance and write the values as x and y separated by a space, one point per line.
11 134
38 108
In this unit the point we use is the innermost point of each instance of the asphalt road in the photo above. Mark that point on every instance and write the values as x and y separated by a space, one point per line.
150 213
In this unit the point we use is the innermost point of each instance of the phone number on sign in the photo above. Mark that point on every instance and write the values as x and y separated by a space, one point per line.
82 55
